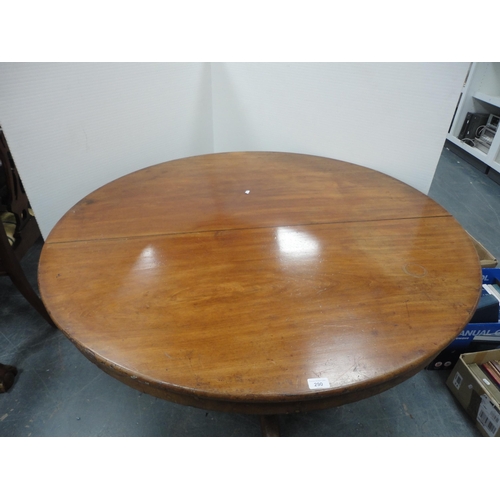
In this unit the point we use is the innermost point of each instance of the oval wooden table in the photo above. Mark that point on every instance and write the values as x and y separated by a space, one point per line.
260 283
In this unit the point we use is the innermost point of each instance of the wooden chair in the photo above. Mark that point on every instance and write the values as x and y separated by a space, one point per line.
18 232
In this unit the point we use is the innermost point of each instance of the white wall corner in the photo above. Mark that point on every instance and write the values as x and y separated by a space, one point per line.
73 127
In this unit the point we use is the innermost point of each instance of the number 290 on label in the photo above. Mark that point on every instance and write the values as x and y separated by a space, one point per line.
318 383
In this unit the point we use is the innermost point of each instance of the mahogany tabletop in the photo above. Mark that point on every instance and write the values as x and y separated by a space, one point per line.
261 283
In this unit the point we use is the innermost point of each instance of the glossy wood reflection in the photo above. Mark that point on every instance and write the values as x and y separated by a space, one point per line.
206 295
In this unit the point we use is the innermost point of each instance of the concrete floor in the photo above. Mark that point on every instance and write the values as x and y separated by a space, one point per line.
58 392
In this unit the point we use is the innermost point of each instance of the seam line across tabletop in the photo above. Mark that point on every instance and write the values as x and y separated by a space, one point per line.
249 228
209 193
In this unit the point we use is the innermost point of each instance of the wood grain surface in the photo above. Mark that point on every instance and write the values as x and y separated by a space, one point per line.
227 281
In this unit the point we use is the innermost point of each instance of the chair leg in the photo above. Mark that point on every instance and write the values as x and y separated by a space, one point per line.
19 279
7 376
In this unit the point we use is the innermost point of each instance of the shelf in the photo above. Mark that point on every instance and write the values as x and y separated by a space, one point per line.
493 100
480 95
471 150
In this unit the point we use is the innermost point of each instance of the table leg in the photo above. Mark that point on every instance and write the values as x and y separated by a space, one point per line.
7 375
269 425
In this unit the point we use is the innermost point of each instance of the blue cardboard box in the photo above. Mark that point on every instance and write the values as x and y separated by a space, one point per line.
474 337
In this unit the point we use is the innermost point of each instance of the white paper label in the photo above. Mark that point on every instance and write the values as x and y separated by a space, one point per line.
488 416
318 383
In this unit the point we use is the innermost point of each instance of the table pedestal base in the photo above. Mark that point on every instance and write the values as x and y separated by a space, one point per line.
269 425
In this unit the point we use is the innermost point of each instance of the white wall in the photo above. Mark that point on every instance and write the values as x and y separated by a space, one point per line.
72 127
392 117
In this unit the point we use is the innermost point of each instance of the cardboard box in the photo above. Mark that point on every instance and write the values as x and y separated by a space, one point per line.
476 392
486 258
474 337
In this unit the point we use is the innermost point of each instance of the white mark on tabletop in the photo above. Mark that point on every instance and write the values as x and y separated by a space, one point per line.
415 270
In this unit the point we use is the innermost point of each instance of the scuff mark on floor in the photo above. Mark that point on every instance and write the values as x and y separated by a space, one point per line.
407 413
